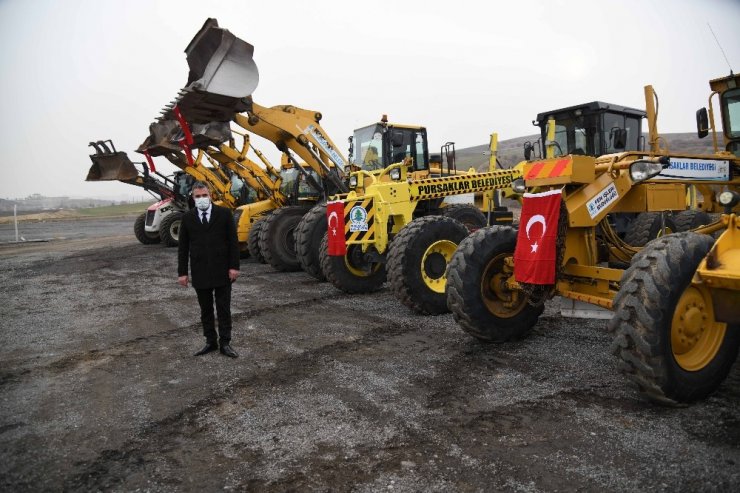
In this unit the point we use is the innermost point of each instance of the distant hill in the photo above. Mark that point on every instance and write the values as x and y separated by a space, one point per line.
511 151
39 203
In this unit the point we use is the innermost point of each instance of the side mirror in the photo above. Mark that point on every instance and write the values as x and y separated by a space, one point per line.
618 137
702 123
527 151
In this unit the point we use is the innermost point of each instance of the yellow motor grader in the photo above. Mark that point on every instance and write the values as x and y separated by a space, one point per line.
676 322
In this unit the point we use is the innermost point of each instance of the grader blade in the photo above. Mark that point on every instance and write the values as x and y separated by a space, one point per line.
222 75
109 164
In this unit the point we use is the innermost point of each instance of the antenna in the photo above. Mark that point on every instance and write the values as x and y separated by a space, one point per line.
720 46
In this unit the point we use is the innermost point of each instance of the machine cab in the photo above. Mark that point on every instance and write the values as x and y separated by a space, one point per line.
728 89
183 184
591 129
377 146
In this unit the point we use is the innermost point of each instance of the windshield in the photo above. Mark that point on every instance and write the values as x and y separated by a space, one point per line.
368 142
183 182
731 113
575 135
291 177
630 124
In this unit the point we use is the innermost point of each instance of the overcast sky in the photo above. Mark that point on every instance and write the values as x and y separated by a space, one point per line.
75 71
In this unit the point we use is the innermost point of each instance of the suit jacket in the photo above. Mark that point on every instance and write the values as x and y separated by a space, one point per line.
212 248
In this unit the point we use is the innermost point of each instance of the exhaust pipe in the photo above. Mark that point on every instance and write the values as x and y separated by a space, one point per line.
109 164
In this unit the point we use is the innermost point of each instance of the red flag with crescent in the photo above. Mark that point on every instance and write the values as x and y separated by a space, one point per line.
335 228
535 255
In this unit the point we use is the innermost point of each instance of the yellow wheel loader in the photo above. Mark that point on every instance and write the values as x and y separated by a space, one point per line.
222 78
166 139
218 91
378 146
676 324
395 220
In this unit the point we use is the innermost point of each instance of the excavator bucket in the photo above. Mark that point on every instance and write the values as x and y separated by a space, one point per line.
222 75
109 164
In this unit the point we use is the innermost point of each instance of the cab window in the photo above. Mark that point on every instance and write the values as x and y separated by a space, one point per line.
368 143
420 152
731 113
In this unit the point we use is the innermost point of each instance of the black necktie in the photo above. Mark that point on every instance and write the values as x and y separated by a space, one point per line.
205 218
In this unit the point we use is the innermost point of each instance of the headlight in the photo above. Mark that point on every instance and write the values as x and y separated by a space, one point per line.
644 170
728 198
395 174
353 181
518 185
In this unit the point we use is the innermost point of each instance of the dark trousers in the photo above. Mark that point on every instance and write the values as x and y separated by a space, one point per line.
223 309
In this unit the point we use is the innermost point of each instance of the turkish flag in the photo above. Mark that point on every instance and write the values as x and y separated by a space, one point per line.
535 254
335 228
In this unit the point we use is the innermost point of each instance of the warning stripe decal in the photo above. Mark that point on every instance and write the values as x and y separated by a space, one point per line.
358 236
534 170
550 169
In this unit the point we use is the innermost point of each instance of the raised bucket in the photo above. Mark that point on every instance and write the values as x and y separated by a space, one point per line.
109 164
222 74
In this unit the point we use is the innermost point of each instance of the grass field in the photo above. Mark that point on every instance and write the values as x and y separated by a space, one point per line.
114 210
71 214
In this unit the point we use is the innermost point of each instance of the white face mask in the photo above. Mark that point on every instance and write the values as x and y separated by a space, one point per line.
202 203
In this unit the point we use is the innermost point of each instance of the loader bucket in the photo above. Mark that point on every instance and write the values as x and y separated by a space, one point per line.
165 135
209 134
220 63
110 164
222 74
161 139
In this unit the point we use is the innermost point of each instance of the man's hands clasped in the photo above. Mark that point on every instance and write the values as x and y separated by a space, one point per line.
183 280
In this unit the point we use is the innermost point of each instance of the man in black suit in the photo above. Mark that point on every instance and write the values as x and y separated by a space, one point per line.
208 239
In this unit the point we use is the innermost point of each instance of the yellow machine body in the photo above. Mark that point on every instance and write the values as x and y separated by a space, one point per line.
390 204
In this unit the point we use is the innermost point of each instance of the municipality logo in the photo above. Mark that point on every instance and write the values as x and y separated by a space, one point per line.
358 219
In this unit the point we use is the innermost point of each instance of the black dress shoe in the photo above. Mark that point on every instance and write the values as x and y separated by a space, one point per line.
227 351
207 349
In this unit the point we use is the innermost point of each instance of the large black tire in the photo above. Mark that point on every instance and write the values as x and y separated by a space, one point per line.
243 250
308 236
664 329
688 220
351 273
141 234
476 290
471 217
169 229
253 241
277 241
646 227
417 262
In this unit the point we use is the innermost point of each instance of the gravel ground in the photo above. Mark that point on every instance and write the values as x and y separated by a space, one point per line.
331 392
